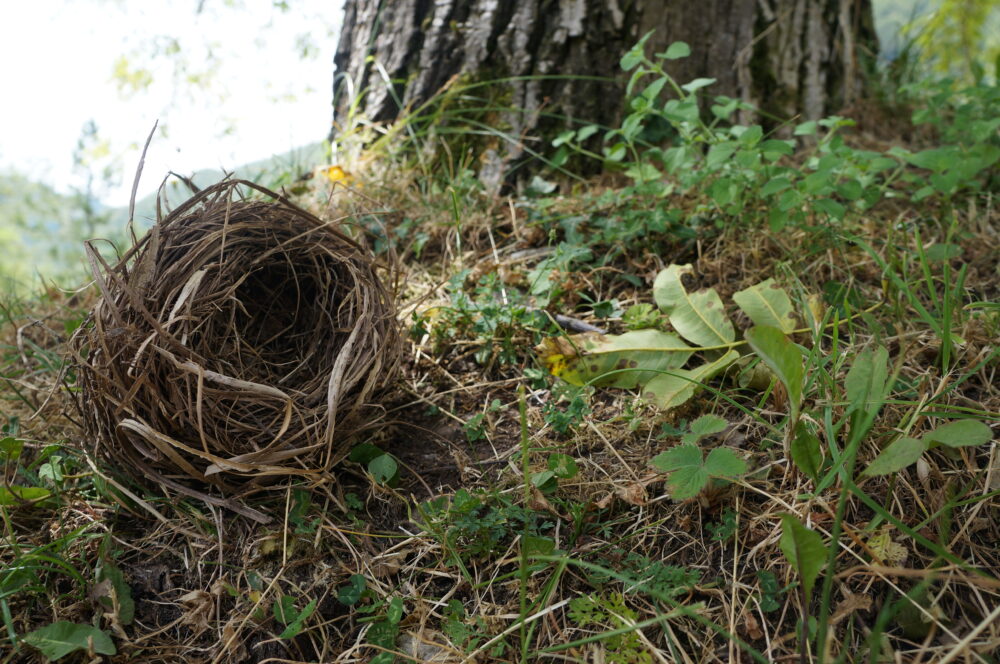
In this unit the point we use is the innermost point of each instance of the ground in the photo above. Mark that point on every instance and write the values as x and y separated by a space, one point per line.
527 521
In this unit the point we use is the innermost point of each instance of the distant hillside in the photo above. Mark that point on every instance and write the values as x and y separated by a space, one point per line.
42 231
272 172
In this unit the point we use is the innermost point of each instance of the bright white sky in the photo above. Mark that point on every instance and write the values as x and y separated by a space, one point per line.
58 61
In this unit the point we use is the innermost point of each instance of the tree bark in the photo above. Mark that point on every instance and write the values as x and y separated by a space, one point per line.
789 58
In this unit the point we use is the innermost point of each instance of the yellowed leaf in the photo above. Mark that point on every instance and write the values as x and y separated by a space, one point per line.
885 549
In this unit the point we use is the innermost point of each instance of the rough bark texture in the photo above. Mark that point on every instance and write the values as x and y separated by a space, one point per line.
787 57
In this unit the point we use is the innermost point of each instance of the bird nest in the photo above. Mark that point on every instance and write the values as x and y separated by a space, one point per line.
240 340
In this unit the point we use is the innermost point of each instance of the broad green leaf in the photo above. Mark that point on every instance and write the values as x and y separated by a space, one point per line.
562 466
670 391
943 252
118 598
767 303
395 611
364 453
898 455
676 51
962 433
62 638
706 425
720 153
866 381
697 84
804 549
298 620
349 594
775 185
384 469
15 495
724 462
806 128
624 361
545 481
631 59
538 546
698 317
783 357
284 609
805 451
10 448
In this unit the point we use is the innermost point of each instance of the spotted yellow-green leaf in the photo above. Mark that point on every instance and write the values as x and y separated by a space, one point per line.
767 303
885 549
699 317
624 361
670 391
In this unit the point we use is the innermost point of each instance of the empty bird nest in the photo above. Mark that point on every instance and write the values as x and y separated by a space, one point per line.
240 340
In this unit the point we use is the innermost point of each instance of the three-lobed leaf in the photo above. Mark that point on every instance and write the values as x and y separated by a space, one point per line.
706 425
690 472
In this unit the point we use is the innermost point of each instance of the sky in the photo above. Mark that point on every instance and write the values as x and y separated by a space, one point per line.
262 96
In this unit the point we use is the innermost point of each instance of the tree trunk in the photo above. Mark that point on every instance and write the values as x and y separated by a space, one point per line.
789 58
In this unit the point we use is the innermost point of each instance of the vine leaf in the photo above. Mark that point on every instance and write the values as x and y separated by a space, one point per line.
767 303
699 317
624 361
671 390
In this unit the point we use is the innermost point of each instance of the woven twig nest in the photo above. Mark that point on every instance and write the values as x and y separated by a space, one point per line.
237 341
